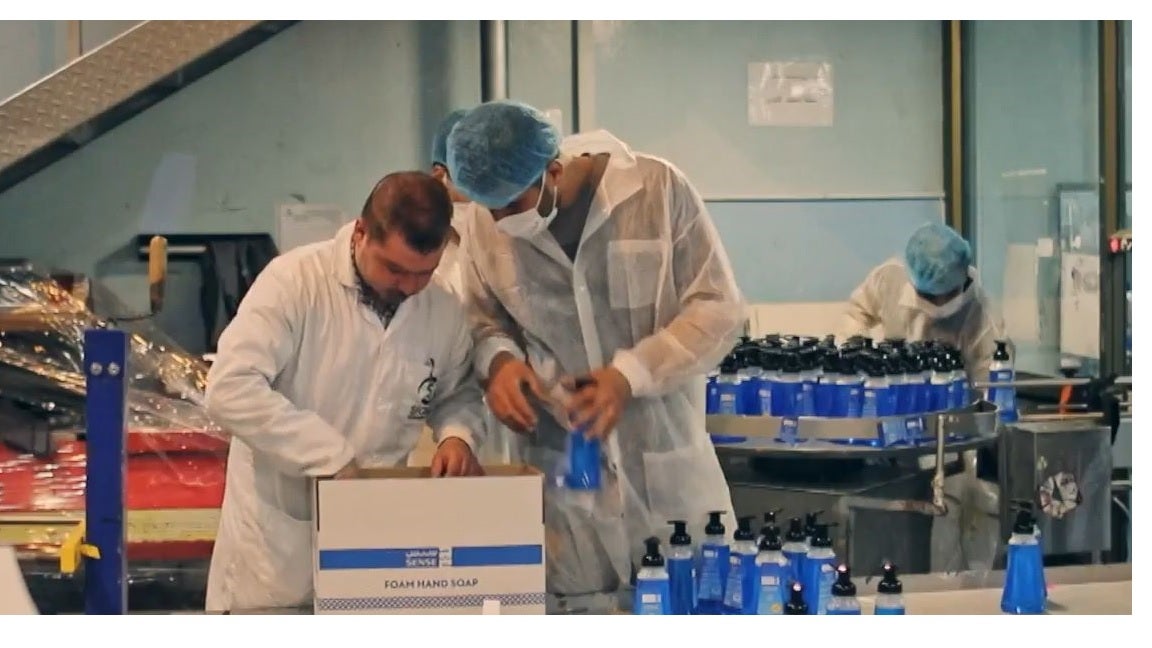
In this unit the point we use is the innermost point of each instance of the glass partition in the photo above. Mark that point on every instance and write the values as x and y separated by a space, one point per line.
1033 107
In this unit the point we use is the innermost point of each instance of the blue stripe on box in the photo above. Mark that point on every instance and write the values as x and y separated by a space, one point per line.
427 602
431 557
496 556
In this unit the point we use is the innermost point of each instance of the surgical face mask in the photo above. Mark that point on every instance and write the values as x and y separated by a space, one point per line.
947 309
528 224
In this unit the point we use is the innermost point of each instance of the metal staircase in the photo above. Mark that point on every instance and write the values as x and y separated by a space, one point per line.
112 84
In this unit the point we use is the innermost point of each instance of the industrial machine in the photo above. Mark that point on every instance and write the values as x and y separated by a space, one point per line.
174 457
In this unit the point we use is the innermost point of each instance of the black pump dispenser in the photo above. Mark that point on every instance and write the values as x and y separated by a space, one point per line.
744 529
795 531
1001 352
770 522
714 527
843 585
810 521
796 604
890 584
680 537
771 540
1025 521
821 538
652 557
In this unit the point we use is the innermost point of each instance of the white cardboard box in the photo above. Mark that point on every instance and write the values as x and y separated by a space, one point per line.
400 542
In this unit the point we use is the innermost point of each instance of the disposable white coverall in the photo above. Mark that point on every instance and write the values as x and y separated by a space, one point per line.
651 292
886 299
498 439
308 378
966 537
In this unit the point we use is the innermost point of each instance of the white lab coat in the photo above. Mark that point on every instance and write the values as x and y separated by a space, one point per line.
887 299
651 292
307 378
498 446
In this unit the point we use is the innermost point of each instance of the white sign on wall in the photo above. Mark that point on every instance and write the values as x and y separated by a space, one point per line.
790 93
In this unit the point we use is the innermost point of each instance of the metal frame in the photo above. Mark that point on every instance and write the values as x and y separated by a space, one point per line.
106 370
1113 312
956 174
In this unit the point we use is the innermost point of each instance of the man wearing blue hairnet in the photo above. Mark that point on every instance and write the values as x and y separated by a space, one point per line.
933 294
497 447
598 282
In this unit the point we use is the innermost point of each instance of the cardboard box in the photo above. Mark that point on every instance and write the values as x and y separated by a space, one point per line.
400 542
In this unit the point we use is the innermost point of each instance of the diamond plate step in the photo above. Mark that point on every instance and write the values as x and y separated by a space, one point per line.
112 84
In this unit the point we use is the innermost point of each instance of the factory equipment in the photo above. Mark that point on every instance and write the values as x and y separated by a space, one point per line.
175 456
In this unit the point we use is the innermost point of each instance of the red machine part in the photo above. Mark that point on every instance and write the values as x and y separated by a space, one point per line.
175 487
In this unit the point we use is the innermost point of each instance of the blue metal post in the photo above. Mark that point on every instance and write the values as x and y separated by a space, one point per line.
106 369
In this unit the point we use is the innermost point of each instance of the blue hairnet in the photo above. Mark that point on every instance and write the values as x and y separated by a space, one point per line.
937 259
499 150
440 141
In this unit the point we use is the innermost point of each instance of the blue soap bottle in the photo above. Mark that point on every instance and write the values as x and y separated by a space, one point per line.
843 600
728 394
739 589
681 565
653 594
1025 588
713 572
1001 371
774 574
795 548
819 571
890 592
788 391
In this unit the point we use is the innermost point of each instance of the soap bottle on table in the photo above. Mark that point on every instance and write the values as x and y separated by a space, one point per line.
652 595
788 390
739 590
1003 371
728 401
958 395
1025 588
774 574
713 572
750 373
795 548
890 592
819 571
681 564
796 603
843 599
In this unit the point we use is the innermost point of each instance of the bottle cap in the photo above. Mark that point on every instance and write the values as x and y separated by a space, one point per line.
795 531
680 537
652 557
1025 520
730 364
890 584
843 586
810 521
771 540
714 527
821 538
744 531
796 604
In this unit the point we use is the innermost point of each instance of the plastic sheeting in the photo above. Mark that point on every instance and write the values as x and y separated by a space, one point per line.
176 454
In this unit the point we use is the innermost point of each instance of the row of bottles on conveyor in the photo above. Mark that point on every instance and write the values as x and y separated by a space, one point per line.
756 574
789 376
798 572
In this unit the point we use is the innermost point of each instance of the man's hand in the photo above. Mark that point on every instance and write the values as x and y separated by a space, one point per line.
599 400
454 458
510 380
350 471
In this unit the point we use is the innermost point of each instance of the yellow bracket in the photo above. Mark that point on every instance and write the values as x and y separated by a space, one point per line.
73 548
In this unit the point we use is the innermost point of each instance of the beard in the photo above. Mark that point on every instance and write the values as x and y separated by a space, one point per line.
385 303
